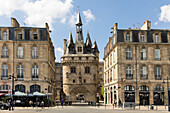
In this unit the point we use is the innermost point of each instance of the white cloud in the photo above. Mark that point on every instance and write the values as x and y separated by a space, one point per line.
156 23
59 53
38 12
101 60
88 15
72 20
165 13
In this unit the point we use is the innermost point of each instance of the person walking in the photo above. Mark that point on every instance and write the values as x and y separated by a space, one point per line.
31 103
62 102
115 102
42 104
120 102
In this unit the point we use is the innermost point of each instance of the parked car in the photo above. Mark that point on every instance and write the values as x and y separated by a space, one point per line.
4 106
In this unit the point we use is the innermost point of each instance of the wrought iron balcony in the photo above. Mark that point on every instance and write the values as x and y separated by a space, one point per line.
157 58
143 76
158 77
4 56
128 58
35 77
4 77
129 76
143 58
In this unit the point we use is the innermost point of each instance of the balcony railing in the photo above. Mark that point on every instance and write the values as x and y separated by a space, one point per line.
157 58
158 77
143 76
20 79
20 56
128 58
4 56
143 58
4 78
34 56
129 76
34 77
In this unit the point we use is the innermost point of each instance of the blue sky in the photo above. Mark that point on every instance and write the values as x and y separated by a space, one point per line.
98 17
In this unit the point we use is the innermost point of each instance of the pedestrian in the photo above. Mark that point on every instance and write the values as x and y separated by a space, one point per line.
144 102
115 102
120 102
42 104
30 103
62 102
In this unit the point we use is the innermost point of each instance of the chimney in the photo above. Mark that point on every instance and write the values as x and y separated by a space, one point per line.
65 46
146 25
14 22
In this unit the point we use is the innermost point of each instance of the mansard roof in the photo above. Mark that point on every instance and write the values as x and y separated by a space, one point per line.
135 36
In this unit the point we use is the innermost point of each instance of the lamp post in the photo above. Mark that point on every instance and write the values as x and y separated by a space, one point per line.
168 92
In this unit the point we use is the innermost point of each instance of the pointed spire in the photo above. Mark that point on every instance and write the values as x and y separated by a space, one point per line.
95 47
70 41
88 40
79 22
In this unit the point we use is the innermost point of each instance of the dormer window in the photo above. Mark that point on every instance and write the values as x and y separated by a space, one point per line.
20 35
5 35
128 37
35 36
142 38
156 38
79 49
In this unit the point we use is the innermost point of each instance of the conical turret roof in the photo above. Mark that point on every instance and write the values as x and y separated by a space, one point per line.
70 41
88 40
79 22
95 46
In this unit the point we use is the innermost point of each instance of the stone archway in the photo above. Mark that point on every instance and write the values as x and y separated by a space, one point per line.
80 91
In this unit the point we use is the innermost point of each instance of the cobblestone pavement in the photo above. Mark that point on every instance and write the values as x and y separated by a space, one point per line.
80 109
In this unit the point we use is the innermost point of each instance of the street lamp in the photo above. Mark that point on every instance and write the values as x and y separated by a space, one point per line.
12 76
167 92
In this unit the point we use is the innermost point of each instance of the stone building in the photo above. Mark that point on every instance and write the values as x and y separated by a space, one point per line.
101 78
136 65
28 53
59 80
80 66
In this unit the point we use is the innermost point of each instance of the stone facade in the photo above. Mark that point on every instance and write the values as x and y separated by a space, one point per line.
80 67
28 53
59 80
136 65
101 78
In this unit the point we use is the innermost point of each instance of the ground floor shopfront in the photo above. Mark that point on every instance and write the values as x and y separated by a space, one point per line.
144 94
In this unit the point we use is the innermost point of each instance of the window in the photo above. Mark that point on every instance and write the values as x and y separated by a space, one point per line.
94 77
143 72
79 49
158 72
20 72
143 54
35 88
127 37
5 87
35 72
101 76
128 54
5 35
20 52
20 88
72 58
129 74
84 80
87 69
143 88
35 36
87 58
142 38
158 88
34 52
73 69
20 35
74 81
4 72
100 69
156 38
94 58
4 52
157 54
129 88
80 80
79 58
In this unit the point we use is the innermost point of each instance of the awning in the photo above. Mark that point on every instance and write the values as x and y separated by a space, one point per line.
1 94
38 94
18 93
